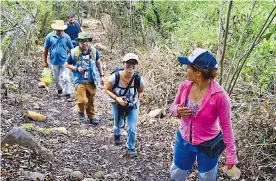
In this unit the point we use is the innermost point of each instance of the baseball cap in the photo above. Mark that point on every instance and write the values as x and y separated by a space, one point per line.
84 36
130 56
201 58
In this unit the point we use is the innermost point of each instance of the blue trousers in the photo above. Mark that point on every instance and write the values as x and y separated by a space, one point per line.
131 121
185 155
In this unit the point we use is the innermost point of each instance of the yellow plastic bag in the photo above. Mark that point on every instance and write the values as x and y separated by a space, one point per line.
47 77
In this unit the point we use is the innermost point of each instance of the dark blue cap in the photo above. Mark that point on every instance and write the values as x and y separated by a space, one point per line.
201 58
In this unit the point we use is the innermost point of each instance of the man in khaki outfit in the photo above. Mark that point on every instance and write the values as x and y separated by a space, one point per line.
84 61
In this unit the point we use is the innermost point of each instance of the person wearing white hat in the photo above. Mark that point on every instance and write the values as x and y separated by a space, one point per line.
58 43
126 87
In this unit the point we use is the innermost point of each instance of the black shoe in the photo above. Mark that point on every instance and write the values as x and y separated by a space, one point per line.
132 153
59 94
117 139
81 116
68 98
94 121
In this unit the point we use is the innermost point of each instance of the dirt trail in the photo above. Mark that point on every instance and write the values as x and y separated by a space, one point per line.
88 149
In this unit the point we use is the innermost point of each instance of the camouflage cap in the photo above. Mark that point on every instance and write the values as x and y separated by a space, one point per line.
84 36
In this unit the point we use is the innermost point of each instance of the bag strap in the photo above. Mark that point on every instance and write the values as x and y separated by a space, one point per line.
128 85
137 83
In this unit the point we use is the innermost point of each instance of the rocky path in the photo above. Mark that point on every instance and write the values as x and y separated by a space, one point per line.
87 151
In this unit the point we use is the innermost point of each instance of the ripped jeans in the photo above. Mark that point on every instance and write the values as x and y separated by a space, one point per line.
131 122
185 155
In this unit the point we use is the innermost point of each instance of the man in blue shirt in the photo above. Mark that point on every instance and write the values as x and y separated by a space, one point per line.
84 61
73 29
57 43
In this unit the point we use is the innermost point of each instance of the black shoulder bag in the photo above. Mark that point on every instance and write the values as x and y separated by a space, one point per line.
213 147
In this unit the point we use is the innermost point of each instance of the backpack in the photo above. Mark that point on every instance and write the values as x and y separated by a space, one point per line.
137 79
78 54
124 110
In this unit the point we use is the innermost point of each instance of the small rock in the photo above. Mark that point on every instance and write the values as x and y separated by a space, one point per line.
88 179
56 122
159 146
74 109
36 106
54 110
68 170
41 85
34 116
48 155
155 113
105 147
109 176
45 130
151 121
75 123
77 174
99 174
4 112
35 176
61 130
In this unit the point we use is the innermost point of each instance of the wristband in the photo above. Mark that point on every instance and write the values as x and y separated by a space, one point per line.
76 69
101 75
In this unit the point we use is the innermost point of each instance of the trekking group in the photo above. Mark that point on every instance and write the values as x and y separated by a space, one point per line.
201 104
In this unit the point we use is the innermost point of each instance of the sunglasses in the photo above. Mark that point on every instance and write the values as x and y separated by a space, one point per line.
132 62
83 41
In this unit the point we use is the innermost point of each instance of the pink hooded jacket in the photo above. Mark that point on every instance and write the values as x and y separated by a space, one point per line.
214 112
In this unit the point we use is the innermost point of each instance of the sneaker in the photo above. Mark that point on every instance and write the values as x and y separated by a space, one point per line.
59 94
117 139
68 98
81 116
132 153
94 121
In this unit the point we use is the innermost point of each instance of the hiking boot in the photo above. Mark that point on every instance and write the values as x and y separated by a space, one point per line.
117 139
132 153
68 98
94 121
59 94
81 116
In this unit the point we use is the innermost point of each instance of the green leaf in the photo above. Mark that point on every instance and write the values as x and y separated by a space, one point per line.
267 36
265 143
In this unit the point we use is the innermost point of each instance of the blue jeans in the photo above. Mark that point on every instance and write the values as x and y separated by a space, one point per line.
185 155
131 121
59 70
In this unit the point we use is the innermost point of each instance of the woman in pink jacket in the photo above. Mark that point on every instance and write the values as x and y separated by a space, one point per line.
204 110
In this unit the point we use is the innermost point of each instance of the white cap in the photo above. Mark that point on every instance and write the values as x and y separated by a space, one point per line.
130 56
195 54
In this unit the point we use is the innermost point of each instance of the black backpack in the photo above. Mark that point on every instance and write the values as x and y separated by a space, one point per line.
124 110
137 79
